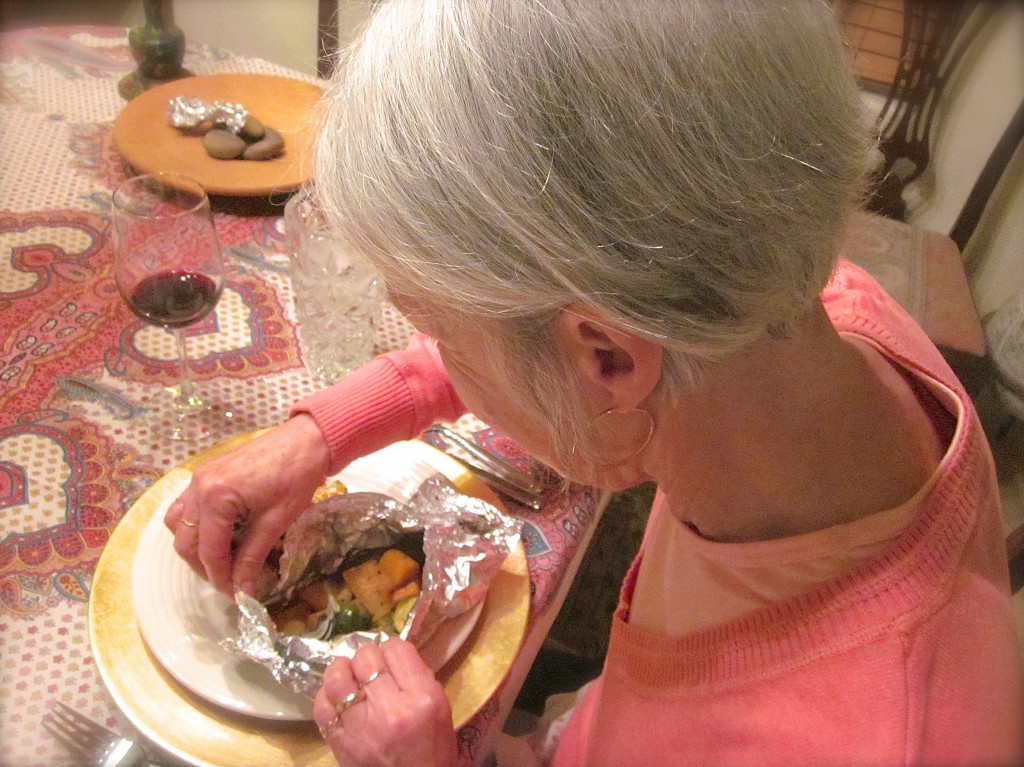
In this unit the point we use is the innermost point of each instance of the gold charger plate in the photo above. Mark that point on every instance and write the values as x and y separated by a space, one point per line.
147 140
203 734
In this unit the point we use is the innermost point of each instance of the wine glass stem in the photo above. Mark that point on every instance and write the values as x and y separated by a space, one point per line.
185 394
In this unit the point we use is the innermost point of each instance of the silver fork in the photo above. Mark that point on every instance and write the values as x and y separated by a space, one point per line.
95 745
495 471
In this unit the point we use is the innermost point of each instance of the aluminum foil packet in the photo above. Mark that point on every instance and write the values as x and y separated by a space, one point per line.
464 541
191 113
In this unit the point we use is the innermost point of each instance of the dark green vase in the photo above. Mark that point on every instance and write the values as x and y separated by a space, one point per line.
158 49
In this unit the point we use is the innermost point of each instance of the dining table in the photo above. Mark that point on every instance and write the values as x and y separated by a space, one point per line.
78 460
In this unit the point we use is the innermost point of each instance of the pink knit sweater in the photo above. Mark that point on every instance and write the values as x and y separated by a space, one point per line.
910 659
394 396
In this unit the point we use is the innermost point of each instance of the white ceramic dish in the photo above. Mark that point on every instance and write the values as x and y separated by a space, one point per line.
182 618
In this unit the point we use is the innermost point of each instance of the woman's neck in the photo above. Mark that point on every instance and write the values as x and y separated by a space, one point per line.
794 435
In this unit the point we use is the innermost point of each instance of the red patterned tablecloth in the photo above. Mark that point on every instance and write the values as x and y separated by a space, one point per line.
77 369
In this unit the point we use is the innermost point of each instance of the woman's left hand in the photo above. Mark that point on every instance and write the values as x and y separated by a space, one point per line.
384 707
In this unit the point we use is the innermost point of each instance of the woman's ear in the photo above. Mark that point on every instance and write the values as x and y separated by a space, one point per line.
620 365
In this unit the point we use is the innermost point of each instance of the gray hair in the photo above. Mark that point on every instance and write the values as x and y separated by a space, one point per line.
682 167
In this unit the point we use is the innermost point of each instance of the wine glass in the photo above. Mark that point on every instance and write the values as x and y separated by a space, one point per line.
168 268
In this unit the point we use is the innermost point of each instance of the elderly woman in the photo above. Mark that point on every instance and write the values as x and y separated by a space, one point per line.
617 225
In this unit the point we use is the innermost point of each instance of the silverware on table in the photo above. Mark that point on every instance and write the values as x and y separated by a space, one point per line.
94 744
501 475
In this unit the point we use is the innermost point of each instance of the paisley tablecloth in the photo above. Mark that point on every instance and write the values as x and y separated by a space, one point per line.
77 369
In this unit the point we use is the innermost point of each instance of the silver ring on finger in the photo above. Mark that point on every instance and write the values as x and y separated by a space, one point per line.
373 676
331 727
350 700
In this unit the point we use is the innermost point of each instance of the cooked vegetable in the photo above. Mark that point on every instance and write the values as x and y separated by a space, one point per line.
371 587
405 592
378 593
401 613
329 490
399 568
352 616
315 595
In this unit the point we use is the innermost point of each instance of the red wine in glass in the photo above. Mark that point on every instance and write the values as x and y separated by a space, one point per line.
168 268
174 299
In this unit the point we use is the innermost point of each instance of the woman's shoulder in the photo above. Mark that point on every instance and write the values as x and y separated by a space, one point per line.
858 304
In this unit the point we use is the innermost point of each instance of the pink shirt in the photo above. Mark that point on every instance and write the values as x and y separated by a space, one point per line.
910 658
714 583
719 582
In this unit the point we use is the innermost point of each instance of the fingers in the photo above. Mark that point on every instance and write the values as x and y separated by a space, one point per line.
186 535
214 547
268 481
370 667
348 682
363 679
256 545
203 540
406 665
325 715
369 710
339 685
174 512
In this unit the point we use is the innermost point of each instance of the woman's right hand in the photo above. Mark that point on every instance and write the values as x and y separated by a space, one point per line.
262 486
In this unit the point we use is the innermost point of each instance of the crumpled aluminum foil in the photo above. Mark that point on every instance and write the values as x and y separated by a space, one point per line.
465 542
190 113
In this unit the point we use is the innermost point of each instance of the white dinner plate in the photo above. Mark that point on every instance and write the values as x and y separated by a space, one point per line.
183 619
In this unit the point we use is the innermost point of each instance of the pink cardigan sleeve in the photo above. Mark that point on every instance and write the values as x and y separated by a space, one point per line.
394 396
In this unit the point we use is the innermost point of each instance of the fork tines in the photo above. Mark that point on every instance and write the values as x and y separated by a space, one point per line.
81 736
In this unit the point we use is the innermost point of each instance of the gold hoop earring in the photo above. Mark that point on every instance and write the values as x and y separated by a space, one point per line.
604 423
